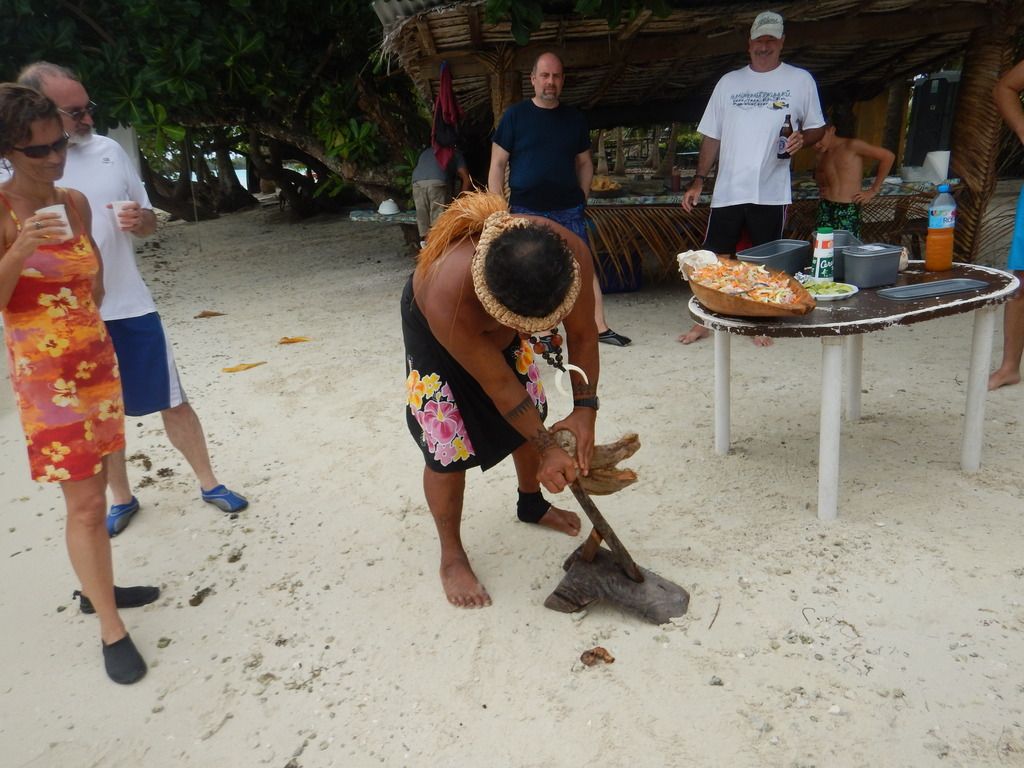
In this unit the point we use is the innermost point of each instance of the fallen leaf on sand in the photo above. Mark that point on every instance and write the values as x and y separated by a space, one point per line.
293 339
243 367
594 655
208 313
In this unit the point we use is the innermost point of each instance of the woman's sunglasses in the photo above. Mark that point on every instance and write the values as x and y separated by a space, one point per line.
39 151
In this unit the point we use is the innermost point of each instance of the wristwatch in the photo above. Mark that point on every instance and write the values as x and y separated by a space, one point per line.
587 402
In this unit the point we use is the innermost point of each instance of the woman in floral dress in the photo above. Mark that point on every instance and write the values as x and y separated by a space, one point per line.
61 361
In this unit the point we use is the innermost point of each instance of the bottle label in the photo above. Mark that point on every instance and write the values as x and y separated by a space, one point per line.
782 146
823 262
942 219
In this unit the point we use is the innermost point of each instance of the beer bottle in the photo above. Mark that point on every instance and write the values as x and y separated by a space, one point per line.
784 134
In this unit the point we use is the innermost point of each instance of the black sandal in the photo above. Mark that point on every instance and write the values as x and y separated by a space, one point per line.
124 597
123 661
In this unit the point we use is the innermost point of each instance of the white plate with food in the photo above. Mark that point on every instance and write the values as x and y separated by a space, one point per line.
830 291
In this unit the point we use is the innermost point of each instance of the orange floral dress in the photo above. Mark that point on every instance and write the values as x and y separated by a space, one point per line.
62 362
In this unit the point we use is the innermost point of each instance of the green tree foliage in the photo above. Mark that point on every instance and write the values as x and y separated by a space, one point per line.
282 81
297 76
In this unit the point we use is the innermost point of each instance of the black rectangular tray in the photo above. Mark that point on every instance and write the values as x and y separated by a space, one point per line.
928 290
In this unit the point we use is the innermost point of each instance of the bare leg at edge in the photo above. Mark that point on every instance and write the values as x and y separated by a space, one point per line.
444 493
1013 341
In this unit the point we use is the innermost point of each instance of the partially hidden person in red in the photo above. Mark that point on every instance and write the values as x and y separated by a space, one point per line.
62 363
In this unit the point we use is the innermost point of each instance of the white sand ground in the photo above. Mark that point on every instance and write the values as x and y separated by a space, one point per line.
892 637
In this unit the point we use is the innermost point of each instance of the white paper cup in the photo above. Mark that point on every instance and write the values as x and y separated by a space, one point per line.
63 213
117 206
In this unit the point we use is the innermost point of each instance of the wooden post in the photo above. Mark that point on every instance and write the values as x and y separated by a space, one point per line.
505 84
976 129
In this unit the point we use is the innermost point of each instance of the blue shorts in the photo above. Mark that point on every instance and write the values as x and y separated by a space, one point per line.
149 378
573 219
1016 260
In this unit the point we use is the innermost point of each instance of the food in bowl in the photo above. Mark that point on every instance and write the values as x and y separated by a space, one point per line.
741 278
604 184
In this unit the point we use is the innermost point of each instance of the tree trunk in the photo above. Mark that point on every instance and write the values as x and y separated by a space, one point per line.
602 158
654 158
620 154
976 130
165 196
231 196
665 169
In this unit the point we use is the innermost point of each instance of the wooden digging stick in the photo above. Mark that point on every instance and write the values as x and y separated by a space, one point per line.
602 530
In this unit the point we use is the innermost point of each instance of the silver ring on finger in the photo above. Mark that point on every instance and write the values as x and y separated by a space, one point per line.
38 225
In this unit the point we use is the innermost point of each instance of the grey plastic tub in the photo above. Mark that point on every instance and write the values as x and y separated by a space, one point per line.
788 256
842 239
871 265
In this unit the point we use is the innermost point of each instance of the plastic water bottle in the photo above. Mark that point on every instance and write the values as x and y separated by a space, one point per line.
824 254
938 246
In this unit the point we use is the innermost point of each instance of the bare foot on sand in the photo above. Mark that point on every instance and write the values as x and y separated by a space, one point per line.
699 332
1000 378
561 520
696 333
461 586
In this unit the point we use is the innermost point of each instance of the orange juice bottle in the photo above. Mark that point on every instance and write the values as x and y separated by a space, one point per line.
938 246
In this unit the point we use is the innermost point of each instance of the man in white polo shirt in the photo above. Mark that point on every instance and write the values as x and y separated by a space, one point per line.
102 171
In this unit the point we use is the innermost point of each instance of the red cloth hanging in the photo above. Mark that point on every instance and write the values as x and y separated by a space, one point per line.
447 114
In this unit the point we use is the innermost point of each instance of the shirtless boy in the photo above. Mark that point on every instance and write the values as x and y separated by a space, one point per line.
840 177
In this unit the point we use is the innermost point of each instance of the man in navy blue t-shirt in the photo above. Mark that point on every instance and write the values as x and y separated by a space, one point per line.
547 144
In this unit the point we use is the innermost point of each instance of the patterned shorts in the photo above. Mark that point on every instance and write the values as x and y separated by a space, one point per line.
451 418
839 216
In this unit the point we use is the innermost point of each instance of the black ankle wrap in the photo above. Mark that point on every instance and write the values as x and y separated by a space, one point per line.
532 507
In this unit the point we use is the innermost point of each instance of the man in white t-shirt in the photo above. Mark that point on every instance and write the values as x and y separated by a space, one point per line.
99 168
741 129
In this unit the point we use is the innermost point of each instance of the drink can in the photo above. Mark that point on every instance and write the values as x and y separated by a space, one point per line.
824 260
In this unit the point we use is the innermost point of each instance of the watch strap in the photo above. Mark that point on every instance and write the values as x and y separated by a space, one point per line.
587 402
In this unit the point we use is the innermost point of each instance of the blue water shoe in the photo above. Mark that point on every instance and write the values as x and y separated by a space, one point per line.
225 499
120 515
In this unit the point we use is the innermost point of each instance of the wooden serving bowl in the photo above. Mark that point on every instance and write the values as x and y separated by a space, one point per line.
738 305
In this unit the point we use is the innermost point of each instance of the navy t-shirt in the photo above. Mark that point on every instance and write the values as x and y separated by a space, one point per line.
543 144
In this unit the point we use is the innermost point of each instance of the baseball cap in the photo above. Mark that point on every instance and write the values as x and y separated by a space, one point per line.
766 23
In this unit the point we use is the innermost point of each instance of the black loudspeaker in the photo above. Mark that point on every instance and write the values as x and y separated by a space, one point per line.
931 116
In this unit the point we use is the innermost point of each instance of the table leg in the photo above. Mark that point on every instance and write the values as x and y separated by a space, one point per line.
828 437
977 388
853 346
723 374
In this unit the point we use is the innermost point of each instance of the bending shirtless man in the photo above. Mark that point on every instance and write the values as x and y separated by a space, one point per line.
840 177
486 282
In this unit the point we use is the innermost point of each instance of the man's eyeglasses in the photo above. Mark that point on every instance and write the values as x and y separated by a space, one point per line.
78 115
39 151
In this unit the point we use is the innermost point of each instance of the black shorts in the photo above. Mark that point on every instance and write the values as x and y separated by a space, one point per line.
451 418
763 224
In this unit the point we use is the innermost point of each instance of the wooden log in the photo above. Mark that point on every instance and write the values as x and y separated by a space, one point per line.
655 599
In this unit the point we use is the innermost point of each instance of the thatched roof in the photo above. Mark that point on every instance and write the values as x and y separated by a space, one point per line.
655 69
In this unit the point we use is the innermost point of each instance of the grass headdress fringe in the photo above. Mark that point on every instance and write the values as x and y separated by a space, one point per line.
464 218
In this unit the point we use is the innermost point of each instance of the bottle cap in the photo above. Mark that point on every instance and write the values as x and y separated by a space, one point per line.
825 230
943 187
